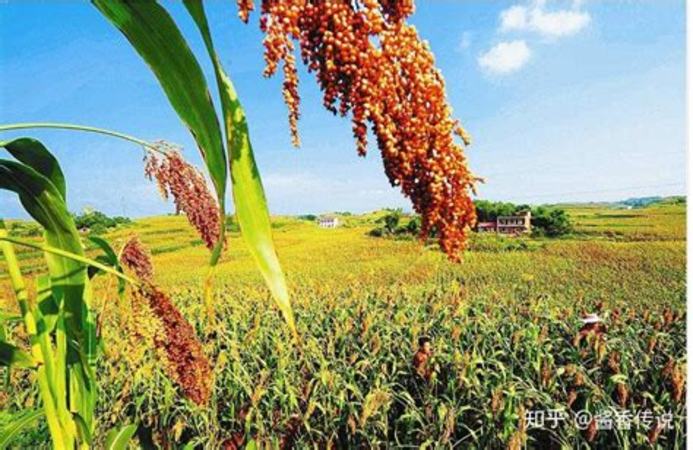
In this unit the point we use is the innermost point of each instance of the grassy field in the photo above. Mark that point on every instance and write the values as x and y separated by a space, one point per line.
503 325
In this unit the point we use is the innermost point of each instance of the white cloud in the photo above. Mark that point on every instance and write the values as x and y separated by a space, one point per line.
514 18
552 24
505 57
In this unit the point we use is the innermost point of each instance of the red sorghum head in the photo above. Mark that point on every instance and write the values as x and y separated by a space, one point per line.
177 178
368 61
136 257
187 364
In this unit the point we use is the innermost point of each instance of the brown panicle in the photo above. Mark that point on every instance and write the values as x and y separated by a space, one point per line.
187 364
136 257
177 178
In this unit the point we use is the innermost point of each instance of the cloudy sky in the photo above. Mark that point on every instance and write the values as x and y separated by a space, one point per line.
565 101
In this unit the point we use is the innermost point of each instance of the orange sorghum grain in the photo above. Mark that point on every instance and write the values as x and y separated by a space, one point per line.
369 62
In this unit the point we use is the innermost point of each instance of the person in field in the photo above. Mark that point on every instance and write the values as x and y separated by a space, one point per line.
420 363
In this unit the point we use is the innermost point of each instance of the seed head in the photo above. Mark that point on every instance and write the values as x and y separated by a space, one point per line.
187 364
591 431
372 64
177 178
136 257
621 394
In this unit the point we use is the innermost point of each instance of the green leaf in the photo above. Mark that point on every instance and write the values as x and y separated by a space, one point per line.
15 357
17 425
118 438
82 428
249 196
108 251
47 305
109 258
65 254
42 200
155 36
35 155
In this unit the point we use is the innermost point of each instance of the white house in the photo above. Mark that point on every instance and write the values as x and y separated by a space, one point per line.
328 221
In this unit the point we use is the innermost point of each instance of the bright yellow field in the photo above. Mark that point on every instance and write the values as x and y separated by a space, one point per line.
502 324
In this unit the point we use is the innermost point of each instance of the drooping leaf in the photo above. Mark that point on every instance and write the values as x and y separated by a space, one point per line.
109 258
44 203
18 424
155 36
118 438
248 193
35 155
11 355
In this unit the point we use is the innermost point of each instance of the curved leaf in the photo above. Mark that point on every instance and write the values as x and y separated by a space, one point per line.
17 425
155 36
43 202
35 155
248 193
118 438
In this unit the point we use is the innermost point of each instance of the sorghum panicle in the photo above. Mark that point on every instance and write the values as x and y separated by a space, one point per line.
368 61
177 178
136 257
187 364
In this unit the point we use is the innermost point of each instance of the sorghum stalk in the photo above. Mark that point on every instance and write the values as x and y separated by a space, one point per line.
63 434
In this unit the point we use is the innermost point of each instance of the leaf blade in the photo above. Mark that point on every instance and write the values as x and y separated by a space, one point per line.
246 184
118 438
35 155
12 429
155 36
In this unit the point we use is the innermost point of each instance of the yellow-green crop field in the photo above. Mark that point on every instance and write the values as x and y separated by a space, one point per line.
503 325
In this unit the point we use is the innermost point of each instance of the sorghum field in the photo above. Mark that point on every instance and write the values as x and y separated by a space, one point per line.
503 324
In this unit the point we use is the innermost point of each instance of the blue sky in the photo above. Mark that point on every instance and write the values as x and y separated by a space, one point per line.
565 101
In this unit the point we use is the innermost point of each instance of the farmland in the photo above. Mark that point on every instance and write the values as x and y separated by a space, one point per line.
502 323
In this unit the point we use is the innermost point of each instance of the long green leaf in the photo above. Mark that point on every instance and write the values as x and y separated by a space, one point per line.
155 36
35 155
47 306
68 255
43 201
17 425
118 438
16 357
248 193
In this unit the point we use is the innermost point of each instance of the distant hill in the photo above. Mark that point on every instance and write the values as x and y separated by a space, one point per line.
634 202
641 202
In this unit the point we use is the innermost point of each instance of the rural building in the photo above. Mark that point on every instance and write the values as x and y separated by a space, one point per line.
517 224
486 227
328 221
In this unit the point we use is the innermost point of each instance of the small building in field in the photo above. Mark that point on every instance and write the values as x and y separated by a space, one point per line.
328 221
517 224
486 227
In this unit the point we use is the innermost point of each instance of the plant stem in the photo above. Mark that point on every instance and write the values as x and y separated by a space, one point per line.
74 127
42 354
